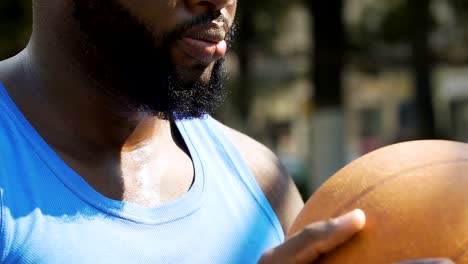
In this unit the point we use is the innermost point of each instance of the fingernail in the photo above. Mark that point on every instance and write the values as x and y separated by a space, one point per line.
356 216
360 217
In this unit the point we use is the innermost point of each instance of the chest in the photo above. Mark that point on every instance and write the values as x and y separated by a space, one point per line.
50 214
145 178
85 236
47 220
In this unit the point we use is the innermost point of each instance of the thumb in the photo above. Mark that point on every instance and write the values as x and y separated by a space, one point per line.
316 239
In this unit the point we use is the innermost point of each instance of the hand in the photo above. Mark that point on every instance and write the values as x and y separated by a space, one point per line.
316 239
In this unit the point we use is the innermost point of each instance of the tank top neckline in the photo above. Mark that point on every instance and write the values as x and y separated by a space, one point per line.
172 211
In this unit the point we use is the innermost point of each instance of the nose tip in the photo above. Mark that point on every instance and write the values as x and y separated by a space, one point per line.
211 5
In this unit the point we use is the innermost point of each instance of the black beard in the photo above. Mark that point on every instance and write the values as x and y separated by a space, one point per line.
121 54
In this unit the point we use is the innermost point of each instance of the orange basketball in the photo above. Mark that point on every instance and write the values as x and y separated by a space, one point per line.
415 196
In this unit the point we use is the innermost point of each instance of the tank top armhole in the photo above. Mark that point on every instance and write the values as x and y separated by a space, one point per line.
234 156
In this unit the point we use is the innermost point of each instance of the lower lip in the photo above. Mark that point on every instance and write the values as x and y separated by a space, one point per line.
203 51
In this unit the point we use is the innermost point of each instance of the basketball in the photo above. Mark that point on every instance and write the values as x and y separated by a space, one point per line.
415 196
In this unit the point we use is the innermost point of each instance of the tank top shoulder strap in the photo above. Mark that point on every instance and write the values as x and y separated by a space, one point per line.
208 135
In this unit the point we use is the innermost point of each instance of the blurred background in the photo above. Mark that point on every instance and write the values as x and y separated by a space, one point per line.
322 82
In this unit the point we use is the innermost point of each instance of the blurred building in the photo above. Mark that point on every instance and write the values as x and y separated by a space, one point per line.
452 102
379 101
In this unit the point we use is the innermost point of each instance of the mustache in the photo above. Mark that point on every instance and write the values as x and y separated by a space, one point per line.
200 21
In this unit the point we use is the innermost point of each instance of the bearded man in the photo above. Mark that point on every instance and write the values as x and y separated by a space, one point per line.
108 152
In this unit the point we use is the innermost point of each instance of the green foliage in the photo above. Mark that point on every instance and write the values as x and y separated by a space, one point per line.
384 30
258 21
396 25
461 11
388 23
461 8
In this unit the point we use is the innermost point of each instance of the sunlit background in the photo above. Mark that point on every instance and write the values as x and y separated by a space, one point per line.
322 82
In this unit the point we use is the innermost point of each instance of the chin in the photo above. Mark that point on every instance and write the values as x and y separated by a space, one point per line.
195 74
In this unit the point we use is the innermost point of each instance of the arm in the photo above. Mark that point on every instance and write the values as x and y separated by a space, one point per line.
272 177
285 200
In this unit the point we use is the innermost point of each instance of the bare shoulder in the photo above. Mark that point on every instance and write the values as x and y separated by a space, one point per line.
271 175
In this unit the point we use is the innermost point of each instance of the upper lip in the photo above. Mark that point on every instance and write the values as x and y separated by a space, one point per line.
209 33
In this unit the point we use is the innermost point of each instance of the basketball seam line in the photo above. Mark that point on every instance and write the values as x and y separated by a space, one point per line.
395 176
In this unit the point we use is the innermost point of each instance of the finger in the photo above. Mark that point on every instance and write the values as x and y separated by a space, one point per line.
428 261
325 236
318 238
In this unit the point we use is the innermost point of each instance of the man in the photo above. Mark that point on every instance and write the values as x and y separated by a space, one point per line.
108 153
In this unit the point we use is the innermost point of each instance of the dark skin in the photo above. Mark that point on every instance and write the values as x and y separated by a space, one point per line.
113 148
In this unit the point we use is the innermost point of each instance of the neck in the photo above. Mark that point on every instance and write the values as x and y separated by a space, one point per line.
55 91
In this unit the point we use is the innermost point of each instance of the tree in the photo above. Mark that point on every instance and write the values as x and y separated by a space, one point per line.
328 58
257 28
329 50
422 63
408 24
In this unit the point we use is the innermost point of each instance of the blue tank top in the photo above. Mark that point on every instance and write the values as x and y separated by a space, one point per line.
50 214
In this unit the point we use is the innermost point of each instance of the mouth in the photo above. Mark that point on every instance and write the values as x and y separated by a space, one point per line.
204 44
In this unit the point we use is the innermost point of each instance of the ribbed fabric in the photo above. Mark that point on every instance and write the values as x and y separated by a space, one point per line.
50 214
